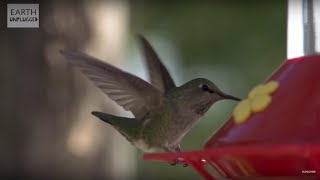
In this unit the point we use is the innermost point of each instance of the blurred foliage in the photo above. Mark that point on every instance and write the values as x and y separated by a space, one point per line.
245 40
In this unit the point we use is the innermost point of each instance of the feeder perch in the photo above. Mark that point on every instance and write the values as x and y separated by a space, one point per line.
276 131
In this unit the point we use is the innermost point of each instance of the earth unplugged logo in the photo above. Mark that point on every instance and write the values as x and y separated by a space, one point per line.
23 15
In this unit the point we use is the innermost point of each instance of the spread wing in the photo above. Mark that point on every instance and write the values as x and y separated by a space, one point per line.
127 90
158 74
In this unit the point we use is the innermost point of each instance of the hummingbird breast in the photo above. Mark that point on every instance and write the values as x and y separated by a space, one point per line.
167 126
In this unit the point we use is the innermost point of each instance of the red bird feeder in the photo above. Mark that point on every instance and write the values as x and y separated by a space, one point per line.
280 139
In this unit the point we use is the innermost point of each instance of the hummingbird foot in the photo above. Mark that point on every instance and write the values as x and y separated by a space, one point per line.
185 164
177 161
174 162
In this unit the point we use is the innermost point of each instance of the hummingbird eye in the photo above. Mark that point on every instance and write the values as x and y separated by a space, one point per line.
205 87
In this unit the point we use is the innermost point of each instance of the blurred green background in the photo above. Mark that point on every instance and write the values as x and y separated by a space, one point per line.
47 128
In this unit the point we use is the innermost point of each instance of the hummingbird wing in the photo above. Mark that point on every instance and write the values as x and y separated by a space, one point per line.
158 74
127 90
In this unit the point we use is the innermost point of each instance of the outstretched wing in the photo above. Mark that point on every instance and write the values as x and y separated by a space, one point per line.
127 90
158 74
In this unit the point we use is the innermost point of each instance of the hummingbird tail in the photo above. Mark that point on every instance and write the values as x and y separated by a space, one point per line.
104 117
128 127
115 121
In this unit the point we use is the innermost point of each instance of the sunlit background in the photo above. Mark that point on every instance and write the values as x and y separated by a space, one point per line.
47 129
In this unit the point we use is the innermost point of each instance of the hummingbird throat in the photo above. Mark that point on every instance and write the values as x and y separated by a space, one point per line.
201 109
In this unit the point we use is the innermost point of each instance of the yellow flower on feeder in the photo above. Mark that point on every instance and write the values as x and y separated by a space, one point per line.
260 102
258 99
263 89
242 111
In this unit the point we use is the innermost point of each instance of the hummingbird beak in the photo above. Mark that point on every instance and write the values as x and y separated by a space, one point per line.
227 96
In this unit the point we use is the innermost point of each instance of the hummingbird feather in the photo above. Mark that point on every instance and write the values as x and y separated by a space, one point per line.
127 90
158 74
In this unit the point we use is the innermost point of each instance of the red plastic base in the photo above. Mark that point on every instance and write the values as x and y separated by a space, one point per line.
251 161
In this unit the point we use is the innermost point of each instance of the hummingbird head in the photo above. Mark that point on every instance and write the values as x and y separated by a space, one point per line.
202 93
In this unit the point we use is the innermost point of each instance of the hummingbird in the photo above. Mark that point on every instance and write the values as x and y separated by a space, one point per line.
163 112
